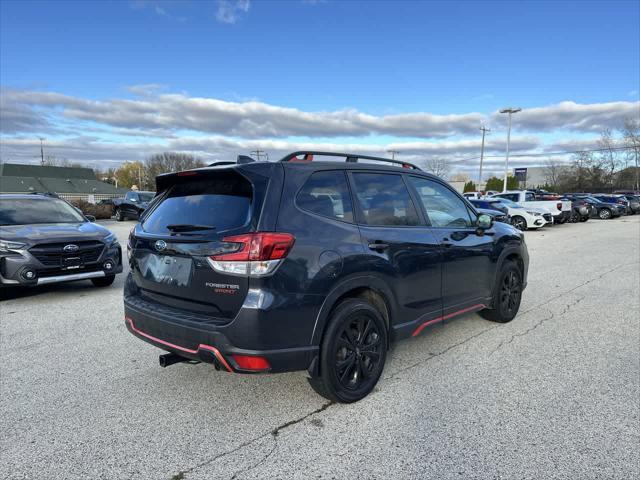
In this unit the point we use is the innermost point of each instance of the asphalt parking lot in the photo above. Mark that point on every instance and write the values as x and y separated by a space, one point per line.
554 394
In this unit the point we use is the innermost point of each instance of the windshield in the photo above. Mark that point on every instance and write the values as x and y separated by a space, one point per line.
146 196
30 211
509 203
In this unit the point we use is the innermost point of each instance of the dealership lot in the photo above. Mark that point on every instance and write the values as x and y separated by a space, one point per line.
554 394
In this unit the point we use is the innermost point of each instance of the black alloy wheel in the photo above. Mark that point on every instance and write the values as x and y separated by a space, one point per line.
510 293
507 295
352 353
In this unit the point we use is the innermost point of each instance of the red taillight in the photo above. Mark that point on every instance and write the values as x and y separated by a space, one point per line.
253 254
559 205
247 362
258 247
186 174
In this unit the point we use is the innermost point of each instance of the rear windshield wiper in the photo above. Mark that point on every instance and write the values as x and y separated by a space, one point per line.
189 228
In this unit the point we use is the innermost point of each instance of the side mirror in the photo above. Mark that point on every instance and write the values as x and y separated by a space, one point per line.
91 218
484 223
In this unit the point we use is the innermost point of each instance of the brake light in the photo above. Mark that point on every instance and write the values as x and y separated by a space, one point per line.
254 254
186 174
559 205
247 362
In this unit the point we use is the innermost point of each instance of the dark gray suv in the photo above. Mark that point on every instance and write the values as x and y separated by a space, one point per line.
46 240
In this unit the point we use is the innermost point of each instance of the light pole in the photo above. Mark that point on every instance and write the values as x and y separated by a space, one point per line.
484 131
393 153
510 111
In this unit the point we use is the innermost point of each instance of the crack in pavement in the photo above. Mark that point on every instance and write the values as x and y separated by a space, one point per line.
434 355
536 307
537 324
274 434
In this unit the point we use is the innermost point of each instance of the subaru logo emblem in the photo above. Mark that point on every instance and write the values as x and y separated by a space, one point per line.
71 248
160 245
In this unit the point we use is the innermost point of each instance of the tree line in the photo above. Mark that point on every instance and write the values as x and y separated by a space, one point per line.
610 168
142 174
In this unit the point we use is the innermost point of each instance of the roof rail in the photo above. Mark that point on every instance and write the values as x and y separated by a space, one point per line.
349 157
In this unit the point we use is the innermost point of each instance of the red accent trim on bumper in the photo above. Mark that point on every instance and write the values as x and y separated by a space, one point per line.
202 346
478 306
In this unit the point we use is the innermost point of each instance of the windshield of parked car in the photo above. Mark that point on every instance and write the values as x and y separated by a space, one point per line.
30 211
508 203
146 196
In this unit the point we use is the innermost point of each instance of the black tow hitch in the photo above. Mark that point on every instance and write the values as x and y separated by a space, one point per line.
168 359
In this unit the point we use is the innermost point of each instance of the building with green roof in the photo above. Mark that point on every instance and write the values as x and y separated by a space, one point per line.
70 183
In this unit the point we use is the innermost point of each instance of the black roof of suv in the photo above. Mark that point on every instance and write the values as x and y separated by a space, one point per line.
312 265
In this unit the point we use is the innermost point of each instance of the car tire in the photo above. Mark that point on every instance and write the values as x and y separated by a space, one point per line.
352 353
584 219
604 214
119 215
103 281
519 222
507 295
575 217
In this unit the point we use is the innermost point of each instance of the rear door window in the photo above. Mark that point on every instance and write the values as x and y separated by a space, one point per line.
384 200
222 202
327 194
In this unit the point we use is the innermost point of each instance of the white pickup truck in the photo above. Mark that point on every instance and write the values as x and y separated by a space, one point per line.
560 209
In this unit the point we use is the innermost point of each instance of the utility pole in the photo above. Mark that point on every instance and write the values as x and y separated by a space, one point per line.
258 154
510 111
41 151
484 131
393 153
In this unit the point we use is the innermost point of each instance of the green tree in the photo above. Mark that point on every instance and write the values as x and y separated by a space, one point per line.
130 174
495 183
469 187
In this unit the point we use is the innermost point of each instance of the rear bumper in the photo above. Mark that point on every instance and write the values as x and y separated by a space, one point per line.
208 343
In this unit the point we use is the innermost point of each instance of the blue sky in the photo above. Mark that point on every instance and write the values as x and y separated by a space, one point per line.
377 58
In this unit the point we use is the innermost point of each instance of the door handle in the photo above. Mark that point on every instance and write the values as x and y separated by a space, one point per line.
378 246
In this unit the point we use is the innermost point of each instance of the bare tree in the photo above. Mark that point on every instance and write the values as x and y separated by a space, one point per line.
631 134
440 167
553 170
609 158
168 162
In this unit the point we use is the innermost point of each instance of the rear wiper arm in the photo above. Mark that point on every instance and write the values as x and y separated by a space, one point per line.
189 228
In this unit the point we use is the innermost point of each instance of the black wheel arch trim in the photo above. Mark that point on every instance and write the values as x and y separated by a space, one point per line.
371 282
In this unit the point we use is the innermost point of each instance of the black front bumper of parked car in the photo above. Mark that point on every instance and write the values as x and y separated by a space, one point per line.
44 264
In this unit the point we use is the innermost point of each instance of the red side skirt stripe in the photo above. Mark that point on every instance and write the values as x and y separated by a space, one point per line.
478 306
202 346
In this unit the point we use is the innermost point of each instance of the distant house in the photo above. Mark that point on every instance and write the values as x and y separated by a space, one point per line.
70 183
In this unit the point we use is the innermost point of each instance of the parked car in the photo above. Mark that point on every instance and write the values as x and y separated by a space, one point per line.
274 266
45 240
522 218
620 203
132 205
601 210
496 215
581 210
559 209
634 203
472 195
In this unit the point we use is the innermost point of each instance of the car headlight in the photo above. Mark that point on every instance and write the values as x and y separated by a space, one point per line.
535 214
6 246
111 238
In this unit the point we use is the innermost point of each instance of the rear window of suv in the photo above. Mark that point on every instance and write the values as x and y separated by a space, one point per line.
327 194
223 202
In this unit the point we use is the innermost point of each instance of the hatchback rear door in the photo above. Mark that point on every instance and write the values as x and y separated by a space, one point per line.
199 215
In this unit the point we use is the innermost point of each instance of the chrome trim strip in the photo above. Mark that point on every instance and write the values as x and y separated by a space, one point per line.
68 278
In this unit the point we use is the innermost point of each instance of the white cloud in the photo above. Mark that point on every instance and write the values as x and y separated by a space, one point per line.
230 11
578 117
